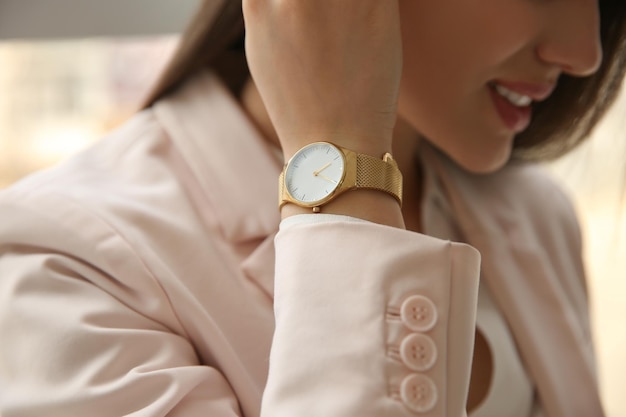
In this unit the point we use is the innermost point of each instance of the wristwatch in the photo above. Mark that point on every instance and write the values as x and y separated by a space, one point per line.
321 171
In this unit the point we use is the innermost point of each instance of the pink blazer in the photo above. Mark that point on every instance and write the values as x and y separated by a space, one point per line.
146 276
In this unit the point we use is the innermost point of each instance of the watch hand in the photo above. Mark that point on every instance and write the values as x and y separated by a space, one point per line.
326 178
316 173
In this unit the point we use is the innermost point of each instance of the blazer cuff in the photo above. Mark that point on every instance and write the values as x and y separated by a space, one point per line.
317 218
370 321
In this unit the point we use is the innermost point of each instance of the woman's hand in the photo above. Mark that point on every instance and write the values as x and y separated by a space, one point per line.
327 69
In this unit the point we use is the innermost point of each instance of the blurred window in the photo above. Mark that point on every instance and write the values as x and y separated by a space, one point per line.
58 97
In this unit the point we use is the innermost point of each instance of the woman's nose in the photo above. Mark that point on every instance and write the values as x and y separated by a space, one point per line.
571 38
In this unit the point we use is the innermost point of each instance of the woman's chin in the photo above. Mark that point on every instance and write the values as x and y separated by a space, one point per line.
480 162
483 165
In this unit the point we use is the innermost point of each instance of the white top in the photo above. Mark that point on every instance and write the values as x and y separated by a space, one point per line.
511 393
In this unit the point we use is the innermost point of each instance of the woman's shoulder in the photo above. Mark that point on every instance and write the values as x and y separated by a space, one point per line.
95 167
538 194
522 194
530 207
128 184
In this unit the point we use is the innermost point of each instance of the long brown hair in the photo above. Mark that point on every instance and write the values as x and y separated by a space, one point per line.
215 38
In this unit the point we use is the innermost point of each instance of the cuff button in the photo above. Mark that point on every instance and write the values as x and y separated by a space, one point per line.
418 352
418 393
418 313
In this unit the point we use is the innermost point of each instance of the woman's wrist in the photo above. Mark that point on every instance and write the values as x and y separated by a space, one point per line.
375 206
375 146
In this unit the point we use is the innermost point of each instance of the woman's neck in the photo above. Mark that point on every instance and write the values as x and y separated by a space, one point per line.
406 142
405 148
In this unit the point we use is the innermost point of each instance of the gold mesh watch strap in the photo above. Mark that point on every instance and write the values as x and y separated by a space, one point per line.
379 174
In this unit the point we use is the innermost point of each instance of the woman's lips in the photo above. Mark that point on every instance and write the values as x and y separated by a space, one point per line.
536 91
515 118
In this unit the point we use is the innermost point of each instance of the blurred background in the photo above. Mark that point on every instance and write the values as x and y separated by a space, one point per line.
72 70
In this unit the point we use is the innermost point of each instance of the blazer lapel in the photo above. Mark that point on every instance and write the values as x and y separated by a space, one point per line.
234 165
530 247
231 161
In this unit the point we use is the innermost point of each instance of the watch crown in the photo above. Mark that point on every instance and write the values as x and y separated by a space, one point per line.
389 159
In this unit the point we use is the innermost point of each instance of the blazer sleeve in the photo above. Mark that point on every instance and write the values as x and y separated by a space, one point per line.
371 321
85 329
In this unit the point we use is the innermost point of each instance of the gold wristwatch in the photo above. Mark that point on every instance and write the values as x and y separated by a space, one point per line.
321 171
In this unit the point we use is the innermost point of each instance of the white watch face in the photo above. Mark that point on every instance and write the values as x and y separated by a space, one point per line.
314 172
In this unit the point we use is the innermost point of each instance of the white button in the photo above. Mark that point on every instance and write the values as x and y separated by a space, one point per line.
418 352
418 313
419 393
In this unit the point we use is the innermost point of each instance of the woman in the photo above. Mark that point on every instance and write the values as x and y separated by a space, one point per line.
147 275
